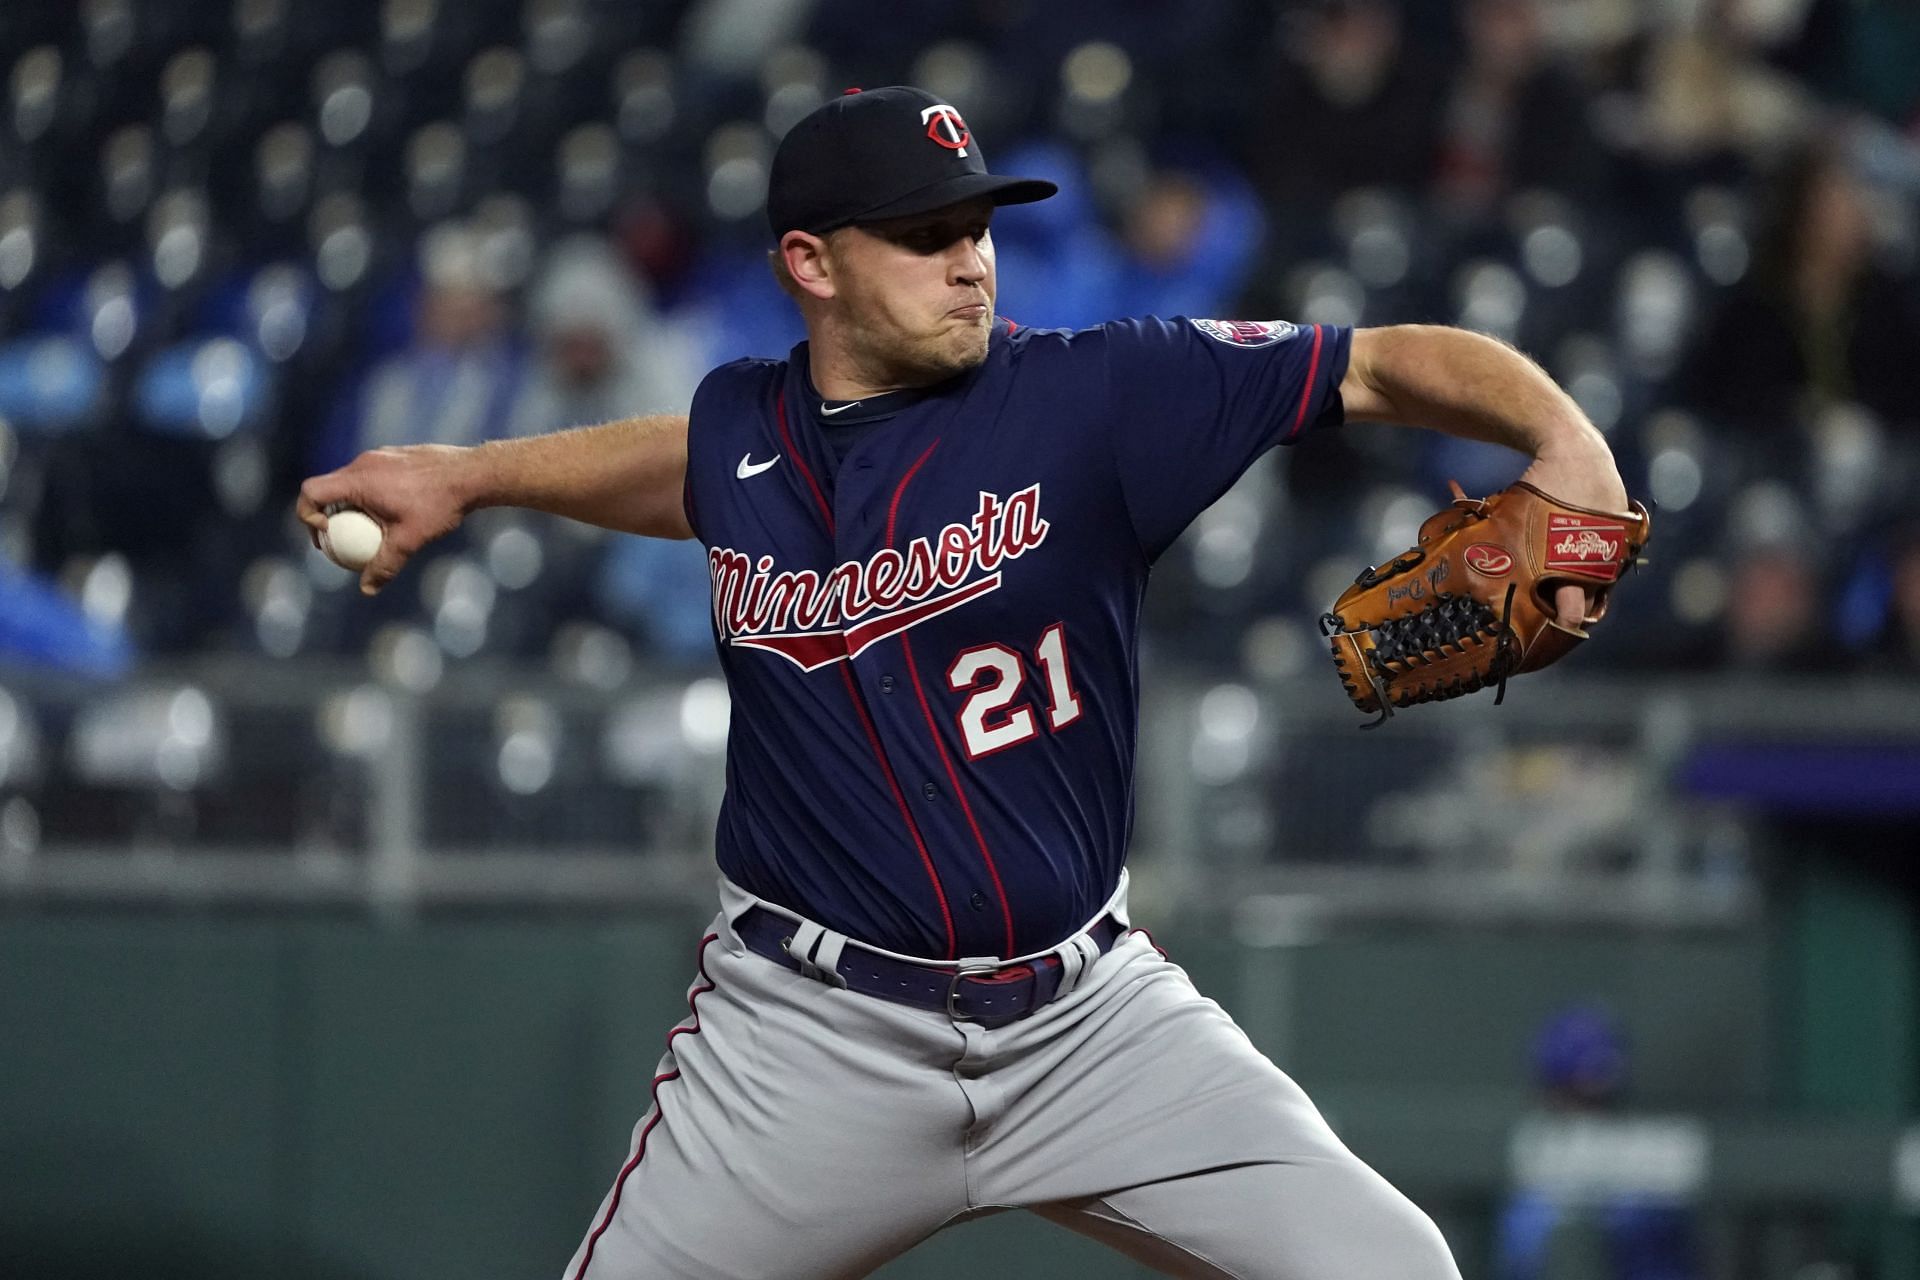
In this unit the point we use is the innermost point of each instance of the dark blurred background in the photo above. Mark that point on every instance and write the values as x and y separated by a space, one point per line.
337 936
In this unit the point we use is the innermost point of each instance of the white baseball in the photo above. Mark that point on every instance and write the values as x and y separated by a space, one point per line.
352 539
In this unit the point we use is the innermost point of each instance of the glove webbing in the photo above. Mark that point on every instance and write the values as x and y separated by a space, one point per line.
1403 645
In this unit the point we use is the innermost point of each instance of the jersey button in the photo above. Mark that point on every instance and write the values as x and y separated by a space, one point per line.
886 684
978 901
930 791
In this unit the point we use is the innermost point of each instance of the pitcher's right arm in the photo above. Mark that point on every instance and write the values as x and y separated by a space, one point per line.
628 476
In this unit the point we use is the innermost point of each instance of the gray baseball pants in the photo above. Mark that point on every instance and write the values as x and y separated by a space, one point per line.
799 1131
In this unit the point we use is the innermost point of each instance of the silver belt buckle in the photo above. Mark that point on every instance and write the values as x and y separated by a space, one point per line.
962 969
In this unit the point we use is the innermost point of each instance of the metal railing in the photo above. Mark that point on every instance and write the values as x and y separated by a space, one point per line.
247 781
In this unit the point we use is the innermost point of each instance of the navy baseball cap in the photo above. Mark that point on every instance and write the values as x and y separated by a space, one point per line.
882 153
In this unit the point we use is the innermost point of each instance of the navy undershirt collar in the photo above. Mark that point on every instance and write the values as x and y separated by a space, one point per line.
840 413
845 423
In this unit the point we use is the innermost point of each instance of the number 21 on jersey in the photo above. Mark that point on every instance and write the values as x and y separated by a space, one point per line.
989 721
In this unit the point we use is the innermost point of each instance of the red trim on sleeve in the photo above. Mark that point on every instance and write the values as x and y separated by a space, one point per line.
1306 392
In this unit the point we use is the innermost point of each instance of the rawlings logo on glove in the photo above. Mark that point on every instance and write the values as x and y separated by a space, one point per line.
1582 540
1399 639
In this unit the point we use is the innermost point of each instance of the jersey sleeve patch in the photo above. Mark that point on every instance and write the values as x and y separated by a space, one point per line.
1247 333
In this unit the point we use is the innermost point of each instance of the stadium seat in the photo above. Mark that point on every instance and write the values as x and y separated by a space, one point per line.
159 738
25 251
262 172
19 743
204 389
341 240
559 35
436 171
1717 222
128 178
344 97
187 97
1654 312
1491 297
794 80
737 156
284 160
278 599
587 178
51 385
496 82
645 96
180 242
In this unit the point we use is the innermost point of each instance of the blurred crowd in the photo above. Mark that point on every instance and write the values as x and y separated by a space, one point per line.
241 240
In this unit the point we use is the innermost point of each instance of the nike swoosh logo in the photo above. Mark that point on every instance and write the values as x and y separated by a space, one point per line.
748 467
828 413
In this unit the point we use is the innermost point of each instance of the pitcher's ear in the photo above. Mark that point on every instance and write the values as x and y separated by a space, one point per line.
807 262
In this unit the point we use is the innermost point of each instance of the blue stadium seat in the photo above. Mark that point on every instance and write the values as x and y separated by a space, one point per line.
204 389
51 385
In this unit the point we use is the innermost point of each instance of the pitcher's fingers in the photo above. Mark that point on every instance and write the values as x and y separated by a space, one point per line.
317 494
310 514
311 518
1570 605
383 568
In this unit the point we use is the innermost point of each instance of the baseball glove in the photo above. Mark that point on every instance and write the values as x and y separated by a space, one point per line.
1472 604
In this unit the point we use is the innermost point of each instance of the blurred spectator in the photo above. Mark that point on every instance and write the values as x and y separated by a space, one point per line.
1898 646
1775 618
41 627
1350 106
1816 322
461 378
1580 1060
1514 120
873 46
733 37
1057 263
1580 1068
736 310
1189 240
602 349
660 590
603 352
1708 95
1410 110
1186 245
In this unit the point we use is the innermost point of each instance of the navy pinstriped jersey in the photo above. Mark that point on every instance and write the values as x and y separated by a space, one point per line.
931 642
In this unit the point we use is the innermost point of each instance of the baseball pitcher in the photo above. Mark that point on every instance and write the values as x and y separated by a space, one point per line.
929 531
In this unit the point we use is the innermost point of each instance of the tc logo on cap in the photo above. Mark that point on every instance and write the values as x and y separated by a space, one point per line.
945 127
